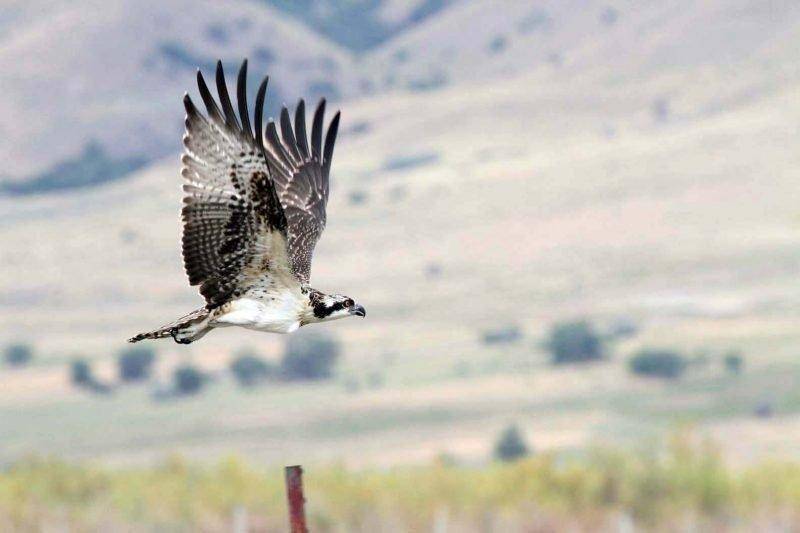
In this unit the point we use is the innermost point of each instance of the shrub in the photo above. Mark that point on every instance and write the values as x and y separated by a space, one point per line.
511 445
309 357
135 363
498 44
250 370
80 373
81 376
734 362
187 380
622 328
504 335
575 342
18 354
658 363
358 197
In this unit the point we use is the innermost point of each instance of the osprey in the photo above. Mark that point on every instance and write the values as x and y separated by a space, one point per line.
253 210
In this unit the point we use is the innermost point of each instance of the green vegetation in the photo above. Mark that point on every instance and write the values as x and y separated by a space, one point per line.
684 484
18 354
187 380
93 166
511 445
309 357
734 363
135 363
574 342
658 363
80 373
504 335
250 370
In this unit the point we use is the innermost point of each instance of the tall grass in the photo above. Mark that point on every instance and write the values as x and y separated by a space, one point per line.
683 483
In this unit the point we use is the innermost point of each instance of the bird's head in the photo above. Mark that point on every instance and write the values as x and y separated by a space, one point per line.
323 307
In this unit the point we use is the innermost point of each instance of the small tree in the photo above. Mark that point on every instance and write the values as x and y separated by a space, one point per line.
135 363
188 380
309 357
18 354
658 363
575 342
510 446
734 363
250 370
81 376
80 373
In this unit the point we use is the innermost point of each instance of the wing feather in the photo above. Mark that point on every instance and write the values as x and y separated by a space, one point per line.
222 91
235 229
302 180
241 100
300 128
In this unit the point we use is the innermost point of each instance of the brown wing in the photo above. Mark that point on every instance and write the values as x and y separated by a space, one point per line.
301 177
234 229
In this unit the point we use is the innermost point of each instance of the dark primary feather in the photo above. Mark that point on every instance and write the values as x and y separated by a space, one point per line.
262 91
300 126
241 99
301 179
234 224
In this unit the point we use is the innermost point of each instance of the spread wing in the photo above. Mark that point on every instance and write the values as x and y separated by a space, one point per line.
301 177
234 228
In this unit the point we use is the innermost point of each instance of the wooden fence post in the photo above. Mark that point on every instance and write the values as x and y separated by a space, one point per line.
296 500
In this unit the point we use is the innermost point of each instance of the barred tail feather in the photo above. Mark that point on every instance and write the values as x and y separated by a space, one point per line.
186 329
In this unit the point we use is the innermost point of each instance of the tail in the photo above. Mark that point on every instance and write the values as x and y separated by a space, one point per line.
186 329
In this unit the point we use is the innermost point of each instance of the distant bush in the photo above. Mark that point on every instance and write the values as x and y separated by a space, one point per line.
309 357
609 16
18 354
135 363
622 327
660 109
510 446
249 369
575 342
734 362
187 380
498 44
764 409
80 372
658 363
81 376
358 197
409 161
504 335
433 270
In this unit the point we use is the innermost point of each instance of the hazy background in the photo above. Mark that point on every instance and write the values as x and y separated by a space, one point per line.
503 167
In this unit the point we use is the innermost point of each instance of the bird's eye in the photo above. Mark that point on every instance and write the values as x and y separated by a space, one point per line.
349 303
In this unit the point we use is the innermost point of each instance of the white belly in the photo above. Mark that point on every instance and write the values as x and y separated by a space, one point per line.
280 315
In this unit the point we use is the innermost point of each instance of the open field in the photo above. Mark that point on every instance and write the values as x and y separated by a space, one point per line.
678 485
689 227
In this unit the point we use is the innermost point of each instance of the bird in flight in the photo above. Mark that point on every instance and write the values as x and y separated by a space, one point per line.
253 210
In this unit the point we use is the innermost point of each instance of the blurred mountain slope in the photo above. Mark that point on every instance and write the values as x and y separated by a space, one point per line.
112 73
484 39
360 24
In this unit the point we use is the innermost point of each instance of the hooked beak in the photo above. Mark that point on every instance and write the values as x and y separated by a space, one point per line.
358 310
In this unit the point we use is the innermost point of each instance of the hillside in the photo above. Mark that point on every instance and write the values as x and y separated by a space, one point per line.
112 73
485 39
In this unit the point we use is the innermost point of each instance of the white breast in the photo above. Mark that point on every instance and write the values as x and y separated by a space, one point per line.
280 313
